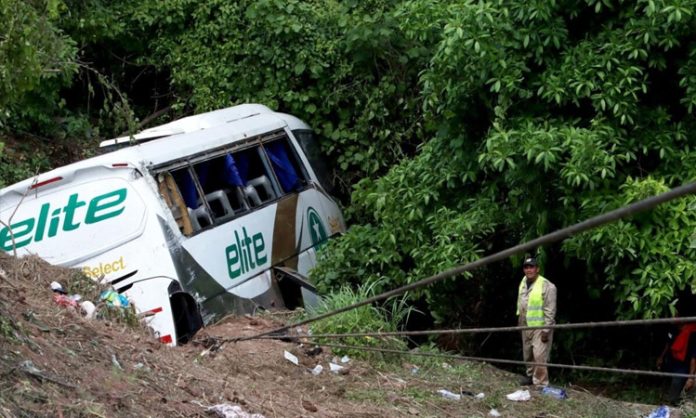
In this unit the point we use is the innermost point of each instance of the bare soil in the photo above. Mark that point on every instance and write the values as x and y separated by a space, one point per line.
56 363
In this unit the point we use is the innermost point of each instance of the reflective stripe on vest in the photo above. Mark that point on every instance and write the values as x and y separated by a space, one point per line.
535 303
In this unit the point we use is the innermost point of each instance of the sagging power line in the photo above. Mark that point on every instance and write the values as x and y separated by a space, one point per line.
600 324
506 361
552 237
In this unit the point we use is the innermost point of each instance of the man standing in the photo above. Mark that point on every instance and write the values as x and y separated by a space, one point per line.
536 307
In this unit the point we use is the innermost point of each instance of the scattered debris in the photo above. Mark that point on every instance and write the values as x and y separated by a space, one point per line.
519 395
345 359
449 395
115 362
88 309
553 392
314 351
335 368
232 411
291 358
494 413
317 369
662 411
479 395
113 298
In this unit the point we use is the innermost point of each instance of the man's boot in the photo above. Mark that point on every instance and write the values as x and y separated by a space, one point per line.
526 381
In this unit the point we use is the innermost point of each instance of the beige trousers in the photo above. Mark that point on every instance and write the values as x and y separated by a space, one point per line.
534 350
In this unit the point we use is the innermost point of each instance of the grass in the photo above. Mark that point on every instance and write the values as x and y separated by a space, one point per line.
366 318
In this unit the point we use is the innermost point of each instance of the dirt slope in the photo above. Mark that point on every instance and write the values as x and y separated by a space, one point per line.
55 363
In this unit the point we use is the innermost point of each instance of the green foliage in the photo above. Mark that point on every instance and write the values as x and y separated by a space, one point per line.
344 67
546 113
461 127
36 58
647 258
364 319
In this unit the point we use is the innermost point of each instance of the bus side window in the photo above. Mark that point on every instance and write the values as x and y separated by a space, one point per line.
258 184
222 187
286 166
171 195
309 144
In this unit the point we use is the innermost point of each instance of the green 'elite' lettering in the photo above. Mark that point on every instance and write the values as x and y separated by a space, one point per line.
245 253
36 229
105 202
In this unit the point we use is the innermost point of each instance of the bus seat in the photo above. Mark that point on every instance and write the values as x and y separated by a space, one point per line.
194 221
202 217
252 195
237 199
218 200
262 181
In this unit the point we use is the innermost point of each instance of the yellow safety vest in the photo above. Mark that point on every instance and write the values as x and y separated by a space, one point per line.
535 303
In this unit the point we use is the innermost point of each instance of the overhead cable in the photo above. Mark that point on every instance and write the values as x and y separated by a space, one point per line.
633 322
506 361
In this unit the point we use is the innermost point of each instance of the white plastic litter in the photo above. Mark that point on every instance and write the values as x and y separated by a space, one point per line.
317 369
291 358
88 309
449 395
519 395
335 368
345 359
494 413
56 286
660 412
480 395
232 411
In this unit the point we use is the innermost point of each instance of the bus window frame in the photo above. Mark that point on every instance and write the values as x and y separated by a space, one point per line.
189 162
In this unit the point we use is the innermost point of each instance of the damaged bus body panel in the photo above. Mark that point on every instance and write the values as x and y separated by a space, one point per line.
212 214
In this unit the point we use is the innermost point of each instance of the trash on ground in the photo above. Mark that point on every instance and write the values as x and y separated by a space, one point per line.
311 352
449 395
480 395
494 413
115 362
345 359
88 309
317 369
519 395
335 368
446 366
58 288
232 411
661 411
113 298
415 370
553 392
64 300
291 358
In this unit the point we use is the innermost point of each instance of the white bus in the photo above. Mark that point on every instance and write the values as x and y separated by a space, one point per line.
217 213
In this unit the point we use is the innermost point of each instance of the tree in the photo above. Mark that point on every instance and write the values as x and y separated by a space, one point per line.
547 113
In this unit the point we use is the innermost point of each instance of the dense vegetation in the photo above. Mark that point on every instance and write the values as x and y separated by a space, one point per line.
460 127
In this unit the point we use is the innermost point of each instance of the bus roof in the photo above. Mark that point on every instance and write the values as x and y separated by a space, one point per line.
174 141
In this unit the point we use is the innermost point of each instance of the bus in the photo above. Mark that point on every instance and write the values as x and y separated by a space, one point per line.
222 212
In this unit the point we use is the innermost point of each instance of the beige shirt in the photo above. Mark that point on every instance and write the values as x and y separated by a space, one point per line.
548 294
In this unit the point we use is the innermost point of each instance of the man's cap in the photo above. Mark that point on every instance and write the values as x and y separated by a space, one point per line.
530 261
